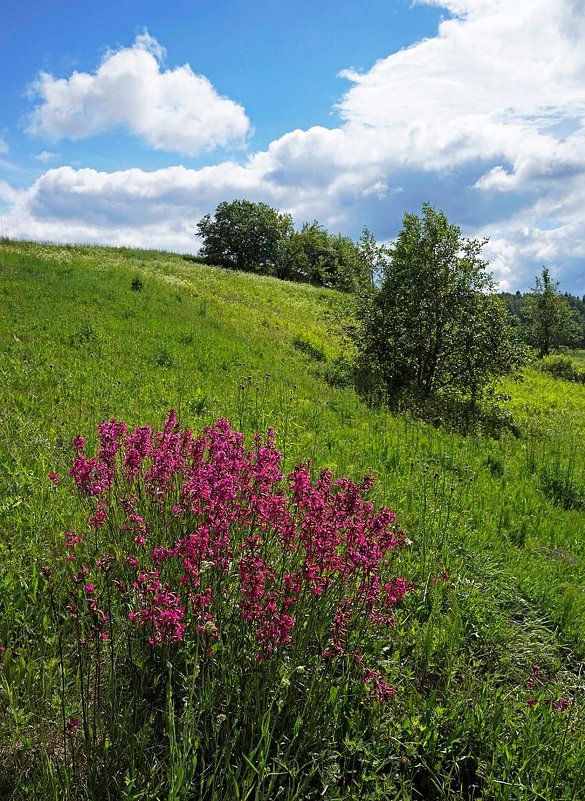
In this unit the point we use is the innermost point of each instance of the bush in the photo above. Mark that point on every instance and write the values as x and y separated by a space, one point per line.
563 367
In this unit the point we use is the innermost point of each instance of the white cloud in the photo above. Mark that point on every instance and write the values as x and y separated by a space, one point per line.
45 156
490 85
486 120
3 147
174 110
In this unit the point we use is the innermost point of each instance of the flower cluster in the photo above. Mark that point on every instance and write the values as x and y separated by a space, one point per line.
536 681
212 538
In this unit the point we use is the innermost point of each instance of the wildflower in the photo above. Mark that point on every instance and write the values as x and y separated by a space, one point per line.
444 577
71 725
289 554
72 539
78 443
561 705
98 518
54 478
104 562
378 687
534 677
81 574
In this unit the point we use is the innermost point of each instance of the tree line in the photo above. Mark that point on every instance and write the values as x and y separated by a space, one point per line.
255 237
545 318
429 329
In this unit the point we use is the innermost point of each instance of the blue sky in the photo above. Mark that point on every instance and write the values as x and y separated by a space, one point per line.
125 122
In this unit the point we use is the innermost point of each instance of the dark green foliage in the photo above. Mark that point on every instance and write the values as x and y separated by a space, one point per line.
338 372
434 328
245 236
257 238
561 486
137 284
550 320
318 257
561 366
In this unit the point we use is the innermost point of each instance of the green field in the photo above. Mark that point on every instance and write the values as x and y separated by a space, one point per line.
87 334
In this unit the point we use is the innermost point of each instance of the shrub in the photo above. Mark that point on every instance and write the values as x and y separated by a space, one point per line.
433 329
561 366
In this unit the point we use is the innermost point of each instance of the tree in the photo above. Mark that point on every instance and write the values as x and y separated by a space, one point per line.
255 237
434 326
245 236
315 255
550 319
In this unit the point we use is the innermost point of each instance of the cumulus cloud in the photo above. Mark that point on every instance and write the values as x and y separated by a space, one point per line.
174 109
485 120
130 207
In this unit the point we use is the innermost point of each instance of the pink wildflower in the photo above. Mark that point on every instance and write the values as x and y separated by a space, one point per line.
72 539
78 443
71 725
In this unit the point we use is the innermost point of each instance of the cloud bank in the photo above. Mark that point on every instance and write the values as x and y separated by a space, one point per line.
485 120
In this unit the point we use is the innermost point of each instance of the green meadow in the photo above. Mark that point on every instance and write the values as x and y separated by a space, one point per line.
495 538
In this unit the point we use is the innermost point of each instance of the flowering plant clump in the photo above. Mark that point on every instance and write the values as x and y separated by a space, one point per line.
206 573
209 540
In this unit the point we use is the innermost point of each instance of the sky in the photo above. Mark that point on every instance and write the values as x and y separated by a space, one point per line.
125 122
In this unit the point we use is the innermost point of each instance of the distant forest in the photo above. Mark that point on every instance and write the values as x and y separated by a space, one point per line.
514 302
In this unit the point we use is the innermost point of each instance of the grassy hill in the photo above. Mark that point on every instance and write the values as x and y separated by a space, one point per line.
496 530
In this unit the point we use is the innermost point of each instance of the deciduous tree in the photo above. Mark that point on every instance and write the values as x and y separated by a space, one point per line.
550 319
434 326
245 236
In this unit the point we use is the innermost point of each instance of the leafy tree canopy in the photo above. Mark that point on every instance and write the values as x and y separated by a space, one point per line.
550 319
245 235
255 237
434 326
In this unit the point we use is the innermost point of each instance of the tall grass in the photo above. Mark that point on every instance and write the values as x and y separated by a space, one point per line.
496 553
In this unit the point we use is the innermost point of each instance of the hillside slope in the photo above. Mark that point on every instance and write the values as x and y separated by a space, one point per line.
90 333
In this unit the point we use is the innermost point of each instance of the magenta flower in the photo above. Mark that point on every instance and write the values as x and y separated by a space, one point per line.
232 547
71 725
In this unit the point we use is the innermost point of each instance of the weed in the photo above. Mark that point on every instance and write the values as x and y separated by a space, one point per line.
83 336
560 485
164 358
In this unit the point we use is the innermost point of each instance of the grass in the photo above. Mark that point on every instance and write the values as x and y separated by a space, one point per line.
91 333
